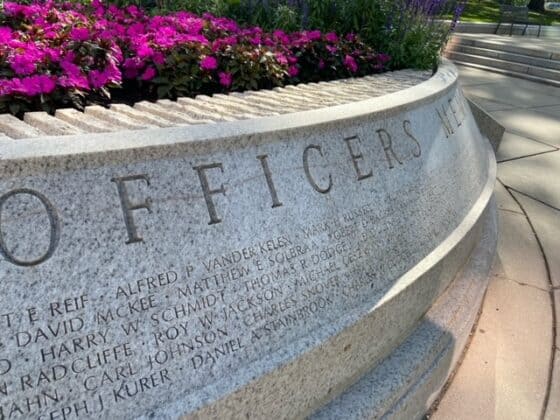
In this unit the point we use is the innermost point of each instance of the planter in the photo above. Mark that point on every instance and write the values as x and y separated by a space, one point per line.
290 264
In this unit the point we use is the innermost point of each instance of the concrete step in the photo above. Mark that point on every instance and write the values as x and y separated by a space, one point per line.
518 68
529 47
525 76
508 56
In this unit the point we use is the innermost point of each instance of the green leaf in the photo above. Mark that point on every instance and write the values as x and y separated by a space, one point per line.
163 91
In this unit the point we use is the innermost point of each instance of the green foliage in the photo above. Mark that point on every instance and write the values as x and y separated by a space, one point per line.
517 2
410 35
251 68
489 11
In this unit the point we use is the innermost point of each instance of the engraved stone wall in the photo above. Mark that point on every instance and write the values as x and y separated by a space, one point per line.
130 285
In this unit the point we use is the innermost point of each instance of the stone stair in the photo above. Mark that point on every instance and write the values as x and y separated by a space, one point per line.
207 109
527 58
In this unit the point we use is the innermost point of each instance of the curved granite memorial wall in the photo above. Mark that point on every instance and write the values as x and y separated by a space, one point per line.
260 269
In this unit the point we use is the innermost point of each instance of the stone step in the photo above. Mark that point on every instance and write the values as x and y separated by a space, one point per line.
538 50
196 112
117 119
17 129
508 56
233 106
525 76
140 116
51 125
164 112
84 122
506 65
259 103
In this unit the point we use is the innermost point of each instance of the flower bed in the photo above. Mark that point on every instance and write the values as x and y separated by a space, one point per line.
56 54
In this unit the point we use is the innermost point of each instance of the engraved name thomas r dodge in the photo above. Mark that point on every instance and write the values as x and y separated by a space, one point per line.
451 117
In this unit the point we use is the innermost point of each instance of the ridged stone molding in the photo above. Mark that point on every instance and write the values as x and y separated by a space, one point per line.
326 263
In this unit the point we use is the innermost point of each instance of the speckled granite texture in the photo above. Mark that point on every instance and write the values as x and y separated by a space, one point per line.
233 270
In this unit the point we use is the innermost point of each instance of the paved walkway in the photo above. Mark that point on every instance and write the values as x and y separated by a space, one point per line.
512 368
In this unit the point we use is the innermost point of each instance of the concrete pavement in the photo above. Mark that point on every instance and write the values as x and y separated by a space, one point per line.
511 369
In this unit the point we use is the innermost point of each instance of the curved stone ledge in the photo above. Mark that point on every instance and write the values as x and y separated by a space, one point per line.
208 109
407 382
249 267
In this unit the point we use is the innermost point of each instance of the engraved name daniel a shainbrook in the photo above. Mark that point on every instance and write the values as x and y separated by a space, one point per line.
79 357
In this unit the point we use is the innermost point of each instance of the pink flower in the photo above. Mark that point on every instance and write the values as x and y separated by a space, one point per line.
314 35
332 49
23 64
145 51
158 58
331 37
209 63
97 79
281 58
281 37
36 85
384 58
77 81
351 64
101 78
226 79
148 74
79 34
321 64
70 68
293 71
5 35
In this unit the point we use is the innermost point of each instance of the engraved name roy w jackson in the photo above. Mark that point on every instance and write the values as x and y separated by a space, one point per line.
450 118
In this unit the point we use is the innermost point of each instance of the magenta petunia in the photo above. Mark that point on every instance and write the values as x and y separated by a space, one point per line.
350 64
314 35
331 37
38 84
332 49
293 71
5 35
282 59
148 74
24 64
209 63
226 79
145 51
79 34
158 58
39 50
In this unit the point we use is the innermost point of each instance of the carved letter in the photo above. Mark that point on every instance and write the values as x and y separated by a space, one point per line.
407 129
461 108
356 156
268 175
201 170
454 112
128 207
54 224
5 366
445 121
308 174
387 143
